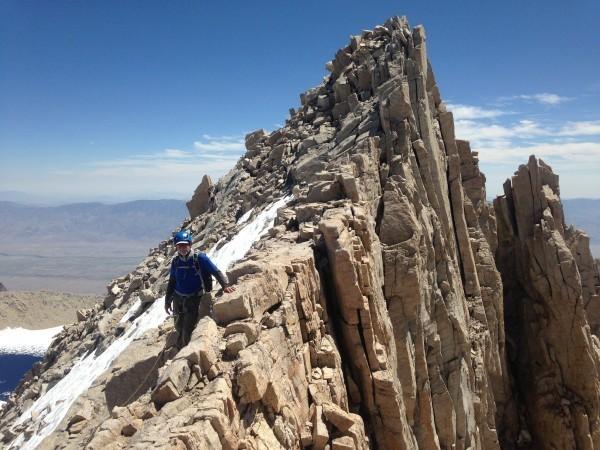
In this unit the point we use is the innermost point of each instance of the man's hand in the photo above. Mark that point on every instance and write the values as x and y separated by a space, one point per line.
168 307
229 289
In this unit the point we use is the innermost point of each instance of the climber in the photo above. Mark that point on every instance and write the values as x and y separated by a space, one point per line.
188 294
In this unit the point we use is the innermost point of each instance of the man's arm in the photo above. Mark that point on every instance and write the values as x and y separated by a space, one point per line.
170 291
207 265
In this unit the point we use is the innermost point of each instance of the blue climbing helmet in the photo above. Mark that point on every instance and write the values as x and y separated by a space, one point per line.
183 236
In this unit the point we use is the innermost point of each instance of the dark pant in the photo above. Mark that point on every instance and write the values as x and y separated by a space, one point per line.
187 312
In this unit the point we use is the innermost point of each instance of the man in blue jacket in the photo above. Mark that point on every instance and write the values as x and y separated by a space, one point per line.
188 292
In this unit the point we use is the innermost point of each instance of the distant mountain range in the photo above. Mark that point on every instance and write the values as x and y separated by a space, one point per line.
80 247
141 220
48 199
152 221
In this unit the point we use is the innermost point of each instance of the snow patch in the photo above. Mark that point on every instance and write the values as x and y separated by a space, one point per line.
239 245
245 217
15 341
131 311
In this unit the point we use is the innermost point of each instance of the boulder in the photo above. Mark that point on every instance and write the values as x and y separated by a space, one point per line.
236 343
172 382
202 198
203 348
343 443
320 436
335 415
252 139
147 296
253 368
134 372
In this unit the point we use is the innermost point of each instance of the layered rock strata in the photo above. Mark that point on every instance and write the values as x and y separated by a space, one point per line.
372 313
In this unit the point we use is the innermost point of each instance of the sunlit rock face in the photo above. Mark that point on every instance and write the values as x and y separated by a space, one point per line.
369 310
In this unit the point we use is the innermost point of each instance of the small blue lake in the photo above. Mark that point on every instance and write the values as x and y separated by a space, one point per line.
12 369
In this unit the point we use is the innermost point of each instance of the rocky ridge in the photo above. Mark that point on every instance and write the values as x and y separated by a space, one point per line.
390 306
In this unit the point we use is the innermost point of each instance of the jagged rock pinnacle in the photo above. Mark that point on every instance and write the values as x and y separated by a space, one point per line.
554 352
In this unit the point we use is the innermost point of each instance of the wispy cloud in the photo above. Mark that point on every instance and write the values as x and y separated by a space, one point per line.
468 112
575 152
175 153
222 137
206 152
169 170
220 144
583 128
544 98
478 131
504 141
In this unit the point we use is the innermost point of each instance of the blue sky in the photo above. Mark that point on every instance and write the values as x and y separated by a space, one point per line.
118 100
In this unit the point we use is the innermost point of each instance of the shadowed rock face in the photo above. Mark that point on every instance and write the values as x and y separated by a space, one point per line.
372 314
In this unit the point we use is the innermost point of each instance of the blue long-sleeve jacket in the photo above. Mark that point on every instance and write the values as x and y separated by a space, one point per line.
192 274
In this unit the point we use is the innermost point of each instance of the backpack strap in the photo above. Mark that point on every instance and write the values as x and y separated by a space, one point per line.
196 264
174 262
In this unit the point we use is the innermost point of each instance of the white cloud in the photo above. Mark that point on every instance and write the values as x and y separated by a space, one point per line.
576 163
478 132
575 182
572 148
583 128
222 137
168 173
222 144
175 153
577 152
548 99
131 178
170 161
545 98
157 169
171 170
470 112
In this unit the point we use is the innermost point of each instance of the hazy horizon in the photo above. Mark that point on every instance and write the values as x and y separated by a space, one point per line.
27 199
61 257
36 199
